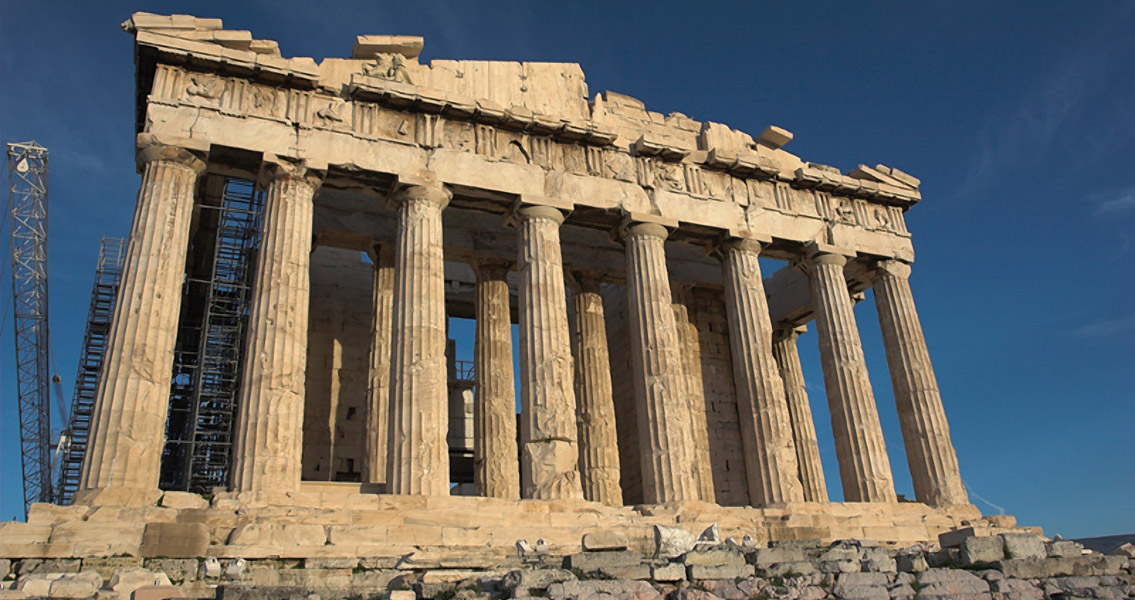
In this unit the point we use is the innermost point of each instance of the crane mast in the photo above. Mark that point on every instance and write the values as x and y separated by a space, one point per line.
27 197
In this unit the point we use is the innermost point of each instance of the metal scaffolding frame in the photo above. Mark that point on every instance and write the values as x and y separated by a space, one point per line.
104 294
211 337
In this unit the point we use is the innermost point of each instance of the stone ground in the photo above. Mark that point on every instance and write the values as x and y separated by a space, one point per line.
1007 566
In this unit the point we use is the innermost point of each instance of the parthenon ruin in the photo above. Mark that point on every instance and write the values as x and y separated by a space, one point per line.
356 204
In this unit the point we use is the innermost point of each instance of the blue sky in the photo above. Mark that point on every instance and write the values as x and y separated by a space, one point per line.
1016 116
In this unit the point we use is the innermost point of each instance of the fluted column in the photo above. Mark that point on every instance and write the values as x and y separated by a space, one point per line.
417 453
803 427
496 470
378 382
665 438
864 468
694 393
550 455
766 429
269 440
598 441
925 431
128 426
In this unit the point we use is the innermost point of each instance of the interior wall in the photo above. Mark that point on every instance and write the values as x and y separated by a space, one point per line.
714 361
338 351
622 388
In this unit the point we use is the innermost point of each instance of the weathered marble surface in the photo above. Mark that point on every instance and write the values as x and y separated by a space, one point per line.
496 468
864 468
267 454
598 440
418 461
925 431
803 426
666 440
549 451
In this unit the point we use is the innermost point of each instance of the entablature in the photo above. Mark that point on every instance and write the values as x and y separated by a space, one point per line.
376 121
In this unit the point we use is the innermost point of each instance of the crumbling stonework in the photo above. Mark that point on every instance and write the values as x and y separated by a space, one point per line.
490 190
642 561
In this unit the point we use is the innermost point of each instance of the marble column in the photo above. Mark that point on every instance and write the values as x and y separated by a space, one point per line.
666 441
549 453
864 468
378 382
127 431
766 428
269 431
496 467
598 441
417 452
694 392
925 431
803 427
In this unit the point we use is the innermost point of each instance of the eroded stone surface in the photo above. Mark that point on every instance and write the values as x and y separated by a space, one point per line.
540 175
496 468
549 452
864 468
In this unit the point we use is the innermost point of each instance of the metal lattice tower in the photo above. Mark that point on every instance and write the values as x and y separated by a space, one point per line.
210 348
108 276
27 196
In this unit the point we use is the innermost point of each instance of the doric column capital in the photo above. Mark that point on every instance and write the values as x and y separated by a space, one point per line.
633 229
150 150
732 244
435 194
280 168
735 241
492 268
817 253
893 268
540 211
585 281
643 224
381 253
788 332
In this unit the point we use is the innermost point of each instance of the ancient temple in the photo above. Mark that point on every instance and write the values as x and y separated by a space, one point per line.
359 203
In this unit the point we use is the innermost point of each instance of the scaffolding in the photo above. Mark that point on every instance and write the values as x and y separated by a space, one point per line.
104 293
27 198
208 357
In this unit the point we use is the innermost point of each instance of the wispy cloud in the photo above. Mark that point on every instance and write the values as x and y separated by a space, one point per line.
1057 103
1108 327
1113 202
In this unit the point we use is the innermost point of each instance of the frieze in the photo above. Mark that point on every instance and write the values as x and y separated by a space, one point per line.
519 136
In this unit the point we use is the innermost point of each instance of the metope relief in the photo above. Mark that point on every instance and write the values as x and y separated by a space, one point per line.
391 67
204 87
458 135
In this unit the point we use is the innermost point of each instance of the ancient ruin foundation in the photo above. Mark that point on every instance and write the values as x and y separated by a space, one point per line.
659 380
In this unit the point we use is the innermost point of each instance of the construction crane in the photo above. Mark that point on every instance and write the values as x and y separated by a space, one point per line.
27 197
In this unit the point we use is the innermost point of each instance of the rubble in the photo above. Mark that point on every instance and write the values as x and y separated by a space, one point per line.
603 566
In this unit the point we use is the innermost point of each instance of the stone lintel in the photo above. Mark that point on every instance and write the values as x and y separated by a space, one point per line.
763 239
